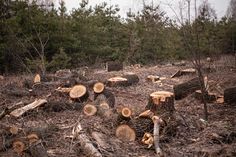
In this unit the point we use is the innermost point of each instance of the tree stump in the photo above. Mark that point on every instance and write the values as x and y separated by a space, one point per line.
114 66
117 81
230 95
79 93
98 87
132 78
124 114
161 102
125 133
186 88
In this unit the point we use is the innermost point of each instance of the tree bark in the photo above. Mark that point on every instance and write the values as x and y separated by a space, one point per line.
230 95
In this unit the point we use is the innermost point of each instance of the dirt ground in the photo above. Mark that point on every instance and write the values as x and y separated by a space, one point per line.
195 137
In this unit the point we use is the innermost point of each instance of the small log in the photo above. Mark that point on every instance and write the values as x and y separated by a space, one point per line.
37 78
186 88
156 135
79 93
132 78
125 133
114 66
20 111
105 111
35 146
89 110
161 102
106 96
98 87
146 114
63 90
230 95
124 115
210 97
117 81
148 139
84 142
153 78
18 147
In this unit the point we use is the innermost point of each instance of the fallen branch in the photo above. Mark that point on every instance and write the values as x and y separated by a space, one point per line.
20 111
156 133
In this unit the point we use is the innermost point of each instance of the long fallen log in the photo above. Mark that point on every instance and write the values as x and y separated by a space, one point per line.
20 111
156 135
186 88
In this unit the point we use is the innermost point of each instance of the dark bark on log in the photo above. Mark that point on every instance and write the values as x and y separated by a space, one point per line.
230 95
184 89
106 96
114 66
37 149
210 97
132 78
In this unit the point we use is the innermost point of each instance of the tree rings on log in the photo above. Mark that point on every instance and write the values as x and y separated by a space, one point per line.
89 110
161 102
32 138
79 92
125 133
98 87
230 95
124 114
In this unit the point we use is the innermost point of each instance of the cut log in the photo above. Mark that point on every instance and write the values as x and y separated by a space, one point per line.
18 112
37 78
152 78
125 133
114 66
89 110
104 111
161 102
156 135
79 93
125 114
98 87
132 78
184 89
230 95
210 97
146 114
148 139
106 96
18 147
84 143
63 90
117 81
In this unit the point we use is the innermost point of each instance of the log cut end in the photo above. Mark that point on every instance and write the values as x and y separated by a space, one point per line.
146 114
125 133
104 105
160 96
126 112
78 91
98 87
89 110
37 78
14 130
32 138
18 147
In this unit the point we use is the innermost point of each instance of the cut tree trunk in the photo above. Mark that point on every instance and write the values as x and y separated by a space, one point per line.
117 81
184 89
20 111
125 133
114 66
230 95
98 87
132 78
156 135
161 102
89 110
79 93
125 114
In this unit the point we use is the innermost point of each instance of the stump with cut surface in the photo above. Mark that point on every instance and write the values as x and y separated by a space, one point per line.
230 95
125 133
114 66
79 93
117 81
184 89
124 114
89 110
161 102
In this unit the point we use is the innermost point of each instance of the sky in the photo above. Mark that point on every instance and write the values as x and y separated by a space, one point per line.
220 6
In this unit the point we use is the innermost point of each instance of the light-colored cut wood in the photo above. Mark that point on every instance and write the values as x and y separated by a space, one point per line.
125 133
37 78
98 87
78 91
89 110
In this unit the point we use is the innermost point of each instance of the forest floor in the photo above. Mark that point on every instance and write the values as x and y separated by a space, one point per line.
216 137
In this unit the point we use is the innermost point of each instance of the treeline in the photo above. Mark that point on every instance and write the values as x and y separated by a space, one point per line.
37 37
